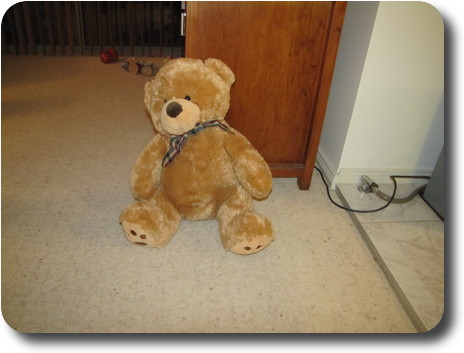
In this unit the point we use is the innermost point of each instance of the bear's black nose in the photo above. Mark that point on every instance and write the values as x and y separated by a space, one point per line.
173 109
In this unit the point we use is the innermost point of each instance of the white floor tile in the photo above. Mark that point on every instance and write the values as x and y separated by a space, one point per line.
414 254
414 210
409 238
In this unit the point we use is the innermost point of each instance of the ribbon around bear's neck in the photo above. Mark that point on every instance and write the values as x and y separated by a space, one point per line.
177 142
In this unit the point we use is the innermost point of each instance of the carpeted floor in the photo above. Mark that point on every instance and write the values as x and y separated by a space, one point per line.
72 128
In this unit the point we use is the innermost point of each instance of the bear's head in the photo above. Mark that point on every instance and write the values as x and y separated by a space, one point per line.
186 92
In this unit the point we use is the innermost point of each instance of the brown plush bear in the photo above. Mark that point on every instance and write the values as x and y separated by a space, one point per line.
196 167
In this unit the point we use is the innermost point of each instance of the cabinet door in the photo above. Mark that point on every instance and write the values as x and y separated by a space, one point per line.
283 55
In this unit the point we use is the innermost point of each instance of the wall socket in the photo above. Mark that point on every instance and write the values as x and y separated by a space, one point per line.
366 185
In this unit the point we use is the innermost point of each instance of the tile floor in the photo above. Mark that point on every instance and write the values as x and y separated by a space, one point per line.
407 240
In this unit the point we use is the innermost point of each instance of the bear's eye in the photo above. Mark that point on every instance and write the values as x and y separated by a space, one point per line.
165 100
187 98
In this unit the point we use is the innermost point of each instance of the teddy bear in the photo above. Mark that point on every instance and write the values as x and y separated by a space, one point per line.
196 167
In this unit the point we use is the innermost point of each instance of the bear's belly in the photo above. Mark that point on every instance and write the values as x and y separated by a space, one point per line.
199 179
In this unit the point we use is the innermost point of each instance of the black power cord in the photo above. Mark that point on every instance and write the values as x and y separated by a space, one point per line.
392 197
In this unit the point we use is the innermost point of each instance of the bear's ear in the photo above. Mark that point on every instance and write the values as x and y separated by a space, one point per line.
221 69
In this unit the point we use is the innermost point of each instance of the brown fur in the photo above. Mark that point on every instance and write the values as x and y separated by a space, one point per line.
215 175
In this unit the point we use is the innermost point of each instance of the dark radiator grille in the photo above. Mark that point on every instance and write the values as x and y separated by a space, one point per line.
89 27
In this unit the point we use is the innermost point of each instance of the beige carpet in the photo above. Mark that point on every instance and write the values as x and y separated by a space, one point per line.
71 130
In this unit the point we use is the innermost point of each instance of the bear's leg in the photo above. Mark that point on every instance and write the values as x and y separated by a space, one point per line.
242 230
152 223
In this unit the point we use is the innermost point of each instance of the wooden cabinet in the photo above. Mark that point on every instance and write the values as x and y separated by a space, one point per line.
283 55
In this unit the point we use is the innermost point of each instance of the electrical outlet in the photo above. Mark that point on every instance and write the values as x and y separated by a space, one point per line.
367 185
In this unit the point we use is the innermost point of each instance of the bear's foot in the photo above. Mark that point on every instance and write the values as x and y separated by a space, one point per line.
248 234
252 246
138 235
147 224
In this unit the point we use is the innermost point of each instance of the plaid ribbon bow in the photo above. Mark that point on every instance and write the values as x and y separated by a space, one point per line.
177 142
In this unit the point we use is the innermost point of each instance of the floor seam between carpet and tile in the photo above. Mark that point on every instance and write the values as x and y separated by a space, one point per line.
383 263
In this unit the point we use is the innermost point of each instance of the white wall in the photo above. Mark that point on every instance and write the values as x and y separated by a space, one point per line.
396 124
354 43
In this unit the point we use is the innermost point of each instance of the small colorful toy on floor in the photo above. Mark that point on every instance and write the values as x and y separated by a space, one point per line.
135 67
109 56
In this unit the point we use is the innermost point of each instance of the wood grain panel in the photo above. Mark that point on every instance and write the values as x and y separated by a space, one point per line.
276 50
323 90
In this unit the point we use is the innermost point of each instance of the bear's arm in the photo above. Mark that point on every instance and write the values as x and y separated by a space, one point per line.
250 168
145 178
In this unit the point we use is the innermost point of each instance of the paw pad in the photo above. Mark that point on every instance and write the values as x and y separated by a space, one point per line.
247 248
251 246
141 236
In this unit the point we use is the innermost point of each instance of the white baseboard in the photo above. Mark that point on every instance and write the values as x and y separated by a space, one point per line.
353 175
326 167
380 176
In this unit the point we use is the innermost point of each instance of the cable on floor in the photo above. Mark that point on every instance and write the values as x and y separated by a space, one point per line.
389 199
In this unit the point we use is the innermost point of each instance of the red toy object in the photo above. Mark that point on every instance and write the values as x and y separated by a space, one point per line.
113 54
109 56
